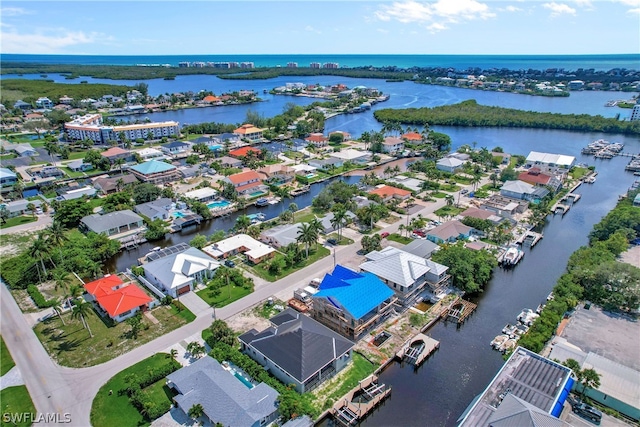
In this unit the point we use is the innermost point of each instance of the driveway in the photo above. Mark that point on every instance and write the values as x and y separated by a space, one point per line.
194 303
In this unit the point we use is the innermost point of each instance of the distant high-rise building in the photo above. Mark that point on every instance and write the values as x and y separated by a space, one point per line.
292 65
246 65
635 113
314 65
332 65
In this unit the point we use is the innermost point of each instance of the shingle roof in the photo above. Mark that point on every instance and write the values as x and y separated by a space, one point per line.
357 293
223 397
395 265
100 223
152 166
451 162
420 247
517 187
114 151
514 411
450 229
298 344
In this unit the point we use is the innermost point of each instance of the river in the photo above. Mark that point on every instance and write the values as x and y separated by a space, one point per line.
438 392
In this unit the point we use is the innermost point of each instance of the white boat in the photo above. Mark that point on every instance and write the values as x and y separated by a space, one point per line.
512 256
499 341
509 329
157 248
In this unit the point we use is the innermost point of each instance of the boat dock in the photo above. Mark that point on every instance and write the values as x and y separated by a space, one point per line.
571 198
301 190
417 349
357 403
460 310
530 238
560 208
634 164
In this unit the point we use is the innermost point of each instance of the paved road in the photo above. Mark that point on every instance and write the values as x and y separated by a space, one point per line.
57 389
43 221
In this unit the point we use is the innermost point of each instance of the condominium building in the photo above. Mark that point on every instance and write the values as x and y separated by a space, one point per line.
90 127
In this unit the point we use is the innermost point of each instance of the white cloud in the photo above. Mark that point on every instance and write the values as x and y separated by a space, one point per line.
558 9
383 31
512 9
13 11
43 42
634 5
312 30
436 15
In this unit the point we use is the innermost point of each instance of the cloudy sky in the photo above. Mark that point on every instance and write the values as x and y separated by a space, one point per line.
157 27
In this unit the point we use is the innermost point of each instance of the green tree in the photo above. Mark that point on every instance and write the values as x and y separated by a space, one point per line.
199 241
196 411
39 251
32 208
339 219
221 332
57 307
471 270
81 311
135 324
143 193
69 213
371 243
196 349
4 213
308 235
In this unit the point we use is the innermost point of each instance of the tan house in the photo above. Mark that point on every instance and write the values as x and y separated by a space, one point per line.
249 131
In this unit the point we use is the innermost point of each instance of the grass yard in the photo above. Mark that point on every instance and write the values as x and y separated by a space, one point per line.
18 220
260 270
71 344
115 409
8 156
395 237
439 195
305 215
225 296
577 173
343 240
6 361
448 211
327 394
16 401
72 174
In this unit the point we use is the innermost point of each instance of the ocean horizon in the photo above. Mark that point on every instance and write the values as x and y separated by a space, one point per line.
603 62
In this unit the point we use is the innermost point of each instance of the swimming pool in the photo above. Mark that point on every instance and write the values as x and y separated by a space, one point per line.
215 147
178 215
218 204
311 175
257 193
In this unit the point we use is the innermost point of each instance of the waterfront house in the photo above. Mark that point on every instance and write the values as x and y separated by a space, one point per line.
155 209
255 251
326 165
449 164
247 183
117 225
318 140
177 273
353 156
298 350
352 303
521 190
155 172
117 299
504 206
226 397
405 273
387 192
79 166
479 213
413 137
203 195
175 147
114 154
230 162
44 172
107 185
77 193
7 177
44 103
505 158
150 153
392 145
229 138
421 247
19 207
249 132
412 184
548 161
536 177
278 172
527 387
449 232
242 152
281 235
21 105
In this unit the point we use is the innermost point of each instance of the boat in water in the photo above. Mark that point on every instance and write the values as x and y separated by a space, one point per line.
262 202
512 256
499 341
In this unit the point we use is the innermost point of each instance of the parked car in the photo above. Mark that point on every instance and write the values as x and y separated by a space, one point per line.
419 233
229 263
332 241
588 412
464 191
384 235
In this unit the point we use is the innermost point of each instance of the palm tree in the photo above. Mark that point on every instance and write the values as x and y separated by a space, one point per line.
388 171
338 220
173 354
4 213
475 179
119 162
73 292
81 310
449 199
57 307
243 222
402 228
57 235
283 192
38 251
293 208
31 208
494 179
590 379
196 411
317 228
306 235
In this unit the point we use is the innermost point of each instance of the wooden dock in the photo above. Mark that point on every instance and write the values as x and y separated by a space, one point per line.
417 349
571 198
460 309
357 403
560 208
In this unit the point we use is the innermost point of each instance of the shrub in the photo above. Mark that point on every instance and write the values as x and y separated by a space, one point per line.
38 298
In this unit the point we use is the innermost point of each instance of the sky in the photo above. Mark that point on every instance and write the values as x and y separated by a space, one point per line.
211 27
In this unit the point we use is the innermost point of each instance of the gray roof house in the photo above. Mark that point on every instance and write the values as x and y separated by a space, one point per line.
522 190
449 164
7 177
79 166
116 225
177 272
327 227
156 209
281 235
298 350
421 247
225 399
24 150
19 207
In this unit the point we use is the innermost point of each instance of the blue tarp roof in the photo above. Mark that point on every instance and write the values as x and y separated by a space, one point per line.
358 293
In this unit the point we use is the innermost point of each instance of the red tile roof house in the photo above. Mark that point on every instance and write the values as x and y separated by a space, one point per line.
318 140
388 192
412 137
249 131
244 152
246 183
115 153
117 299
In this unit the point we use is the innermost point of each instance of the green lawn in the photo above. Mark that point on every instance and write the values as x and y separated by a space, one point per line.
8 156
72 174
395 237
226 296
577 173
183 312
6 361
260 270
305 215
16 401
439 195
448 211
71 344
115 409
18 220
343 240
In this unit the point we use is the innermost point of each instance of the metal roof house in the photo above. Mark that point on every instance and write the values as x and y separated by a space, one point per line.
449 232
421 247
255 251
19 207
7 177
352 303
155 172
449 164
534 380
281 235
177 273
155 209
116 225
225 399
549 160
521 190
298 350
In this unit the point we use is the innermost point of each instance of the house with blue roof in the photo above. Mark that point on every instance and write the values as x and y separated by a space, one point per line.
352 303
155 172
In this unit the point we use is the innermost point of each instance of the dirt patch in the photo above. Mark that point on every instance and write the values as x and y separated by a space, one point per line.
248 319
631 256
9 250
24 301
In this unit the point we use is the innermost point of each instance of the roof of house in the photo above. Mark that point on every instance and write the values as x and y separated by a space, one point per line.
283 234
114 151
149 152
223 397
201 193
277 168
392 140
176 269
389 191
238 178
100 223
243 151
356 293
351 154
515 412
396 266
20 205
412 136
298 344
154 207
548 158
5 173
534 177
152 166
517 187
211 98
247 129
175 144
326 220
116 301
111 183
229 160
420 247
477 213
76 164
255 249
450 229
316 137
451 162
